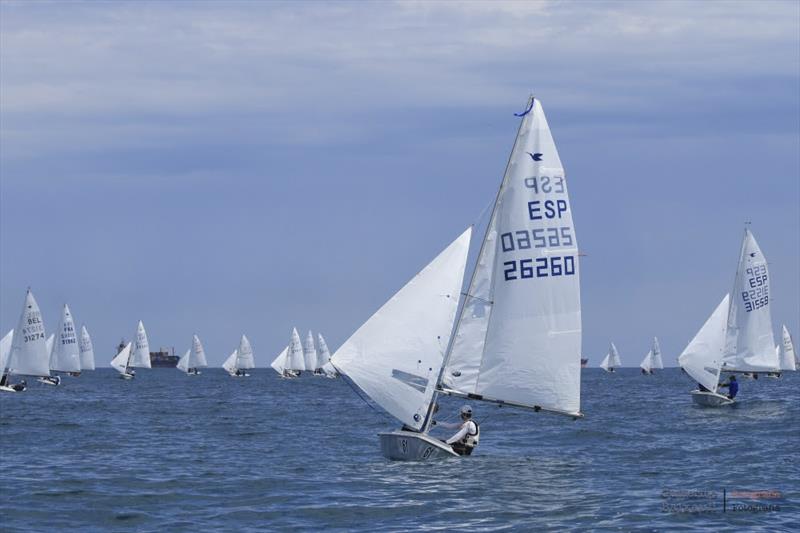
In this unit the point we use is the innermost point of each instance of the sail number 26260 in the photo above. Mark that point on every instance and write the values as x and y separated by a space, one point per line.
539 267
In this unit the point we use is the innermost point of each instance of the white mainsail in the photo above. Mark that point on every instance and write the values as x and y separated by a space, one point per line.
245 359
396 355
702 358
647 362
141 349
295 357
49 344
198 358
65 355
5 351
183 362
750 343
605 362
120 361
279 364
788 359
616 362
656 361
230 363
518 337
324 360
29 354
310 353
86 349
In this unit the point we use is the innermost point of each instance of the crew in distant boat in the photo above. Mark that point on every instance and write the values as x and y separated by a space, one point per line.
468 435
733 387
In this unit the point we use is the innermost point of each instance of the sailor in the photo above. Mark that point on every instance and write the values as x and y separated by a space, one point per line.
468 434
733 387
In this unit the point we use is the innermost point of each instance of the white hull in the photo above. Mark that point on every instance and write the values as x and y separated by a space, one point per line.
710 399
3 388
126 376
411 446
53 380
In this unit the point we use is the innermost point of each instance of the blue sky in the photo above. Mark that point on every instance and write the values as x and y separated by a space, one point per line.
229 167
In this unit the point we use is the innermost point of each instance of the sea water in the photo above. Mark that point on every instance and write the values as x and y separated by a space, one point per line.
170 452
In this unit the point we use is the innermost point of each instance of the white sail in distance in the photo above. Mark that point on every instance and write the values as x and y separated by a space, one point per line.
604 364
396 355
310 353
702 358
750 342
245 358
65 355
29 354
141 348
86 349
647 362
295 357
5 351
183 362
198 358
788 356
120 361
325 356
657 361
230 363
616 362
279 363
518 337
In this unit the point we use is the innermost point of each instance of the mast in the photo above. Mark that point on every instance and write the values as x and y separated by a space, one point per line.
437 388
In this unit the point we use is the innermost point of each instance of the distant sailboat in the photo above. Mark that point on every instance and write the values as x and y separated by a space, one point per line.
230 364
86 350
310 355
295 357
50 380
65 355
324 361
121 362
183 362
5 353
702 358
652 360
788 356
240 360
611 361
140 354
280 362
29 354
647 363
193 359
517 339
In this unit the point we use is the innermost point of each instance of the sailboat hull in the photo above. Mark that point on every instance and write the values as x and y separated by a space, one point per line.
710 399
126 376
411 446
12 388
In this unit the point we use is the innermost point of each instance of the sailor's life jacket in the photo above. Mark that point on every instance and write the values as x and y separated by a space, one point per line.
470 440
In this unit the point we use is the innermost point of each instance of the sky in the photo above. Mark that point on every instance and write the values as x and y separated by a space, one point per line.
222 168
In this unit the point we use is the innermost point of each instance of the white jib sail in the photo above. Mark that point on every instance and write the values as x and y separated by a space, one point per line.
750 343
230 363
86 349
279 364
616 362
605 362
310 353
66 355
324 356
396 355
296 360
120 361
141 349
788 359
5 351
183 362
198 359
656 361
647 362
245 357
29 354
702 358
518 338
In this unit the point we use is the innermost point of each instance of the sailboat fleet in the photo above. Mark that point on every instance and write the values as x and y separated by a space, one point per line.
511 336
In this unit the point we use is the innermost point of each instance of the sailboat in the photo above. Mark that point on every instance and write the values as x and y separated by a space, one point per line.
49 380
750 345
702 358
324 360
611 361
195 359
121 362
86 350
183 361
29 355
517 337
5 353
295 357
65 355
788 357
240 360
280 362
310 355
647 363
140 353
652 360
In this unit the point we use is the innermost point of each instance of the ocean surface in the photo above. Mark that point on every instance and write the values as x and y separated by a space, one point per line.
169 452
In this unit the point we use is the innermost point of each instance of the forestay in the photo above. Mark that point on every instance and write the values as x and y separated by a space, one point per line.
750 342
244 358
120 361
29 354
396 355
788 358
518 337
65 355
279 364
310 353
702 358
141 349
198 359
86 350
296 361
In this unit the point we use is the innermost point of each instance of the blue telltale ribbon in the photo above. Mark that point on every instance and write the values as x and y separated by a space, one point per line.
526 111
